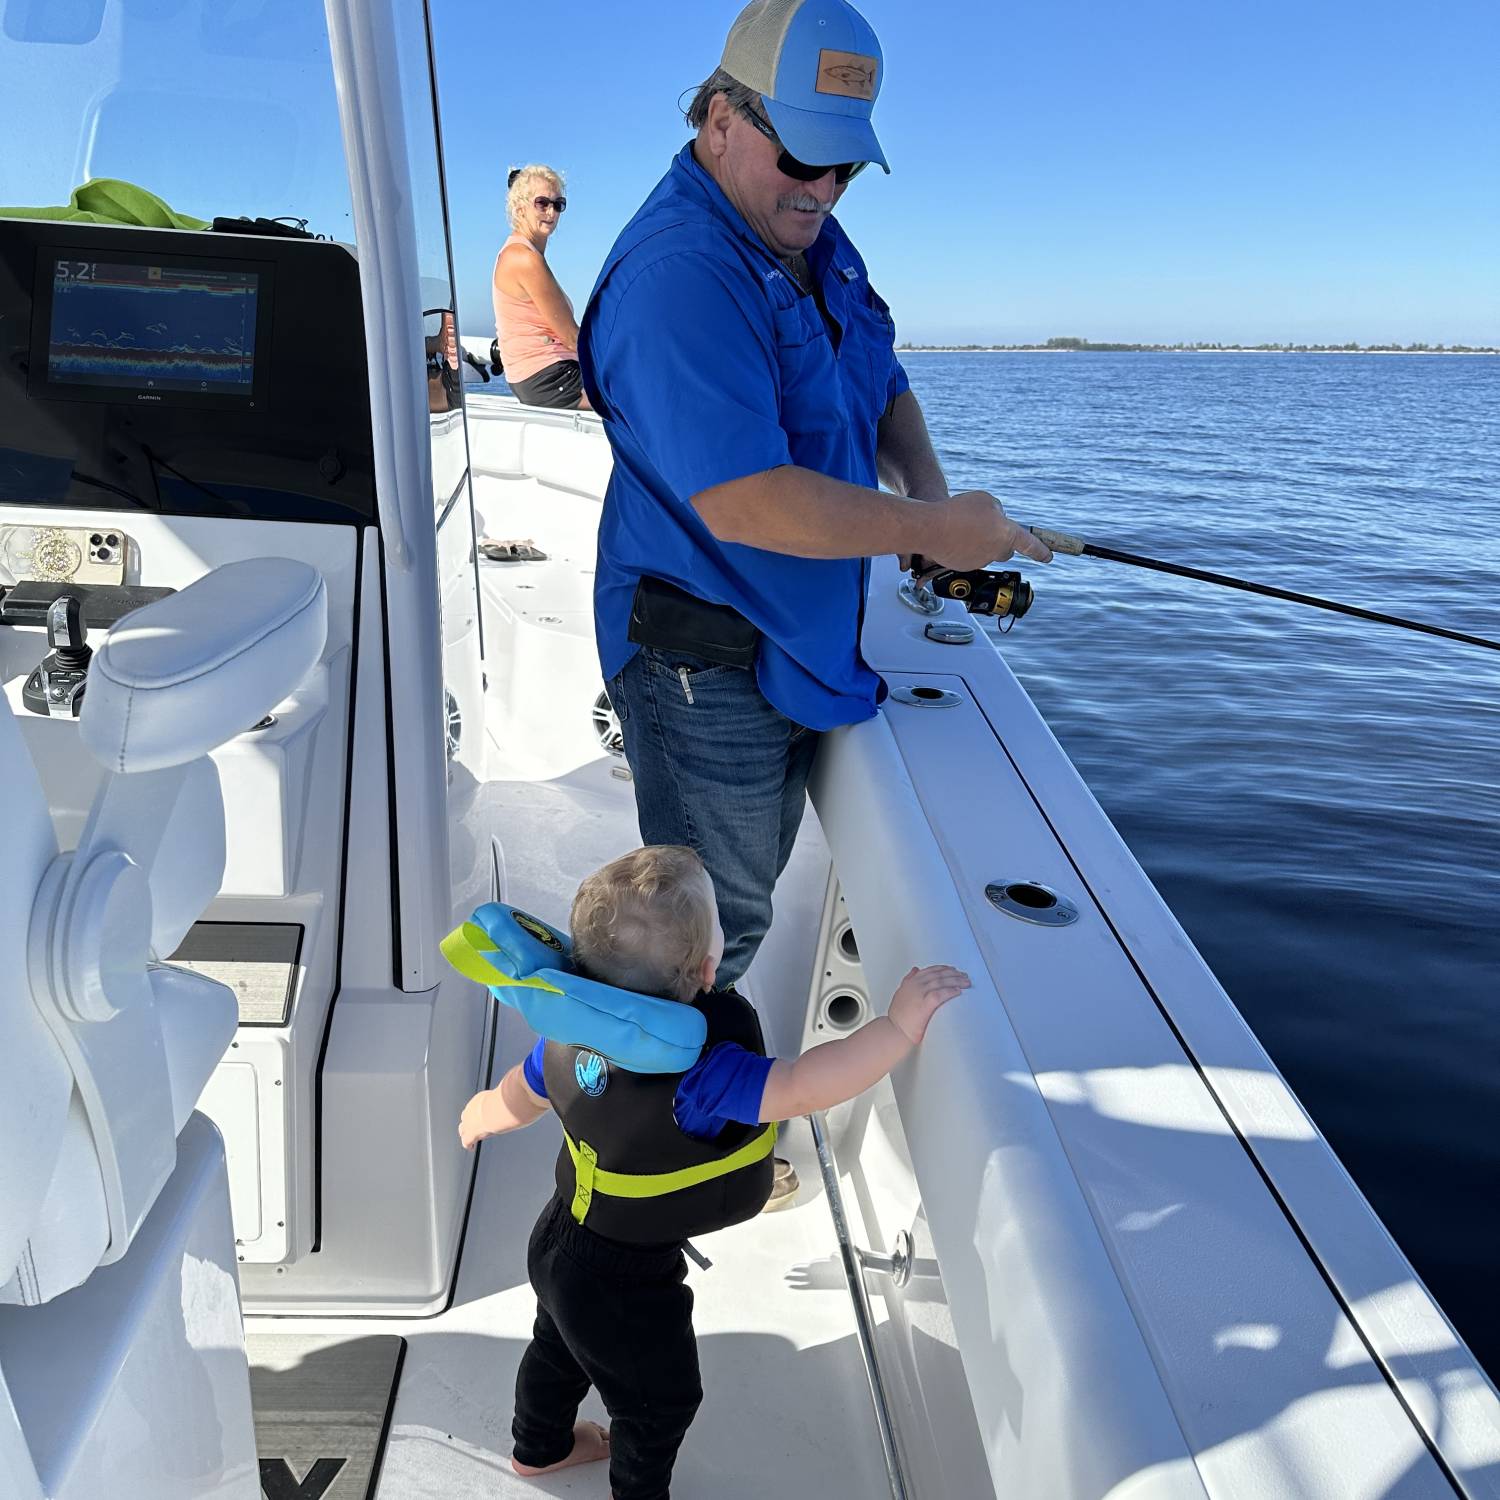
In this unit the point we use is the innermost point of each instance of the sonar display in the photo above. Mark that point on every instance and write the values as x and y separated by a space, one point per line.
153 329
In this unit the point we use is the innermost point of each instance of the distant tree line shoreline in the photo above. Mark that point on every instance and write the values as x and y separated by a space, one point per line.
1088 346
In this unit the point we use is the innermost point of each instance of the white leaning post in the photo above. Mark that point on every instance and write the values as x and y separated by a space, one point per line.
104 1050
364 37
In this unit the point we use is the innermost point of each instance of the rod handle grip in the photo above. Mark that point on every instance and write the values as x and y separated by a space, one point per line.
1059 541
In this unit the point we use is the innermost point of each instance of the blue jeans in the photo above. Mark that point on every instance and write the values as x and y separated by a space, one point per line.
717 768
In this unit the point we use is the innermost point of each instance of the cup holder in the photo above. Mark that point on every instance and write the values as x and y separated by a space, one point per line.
923 695
1031 901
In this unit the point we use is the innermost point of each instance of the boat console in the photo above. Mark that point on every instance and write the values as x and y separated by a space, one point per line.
157 422
175 408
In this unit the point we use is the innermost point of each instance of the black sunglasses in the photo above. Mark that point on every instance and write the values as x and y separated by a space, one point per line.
540 203
800 171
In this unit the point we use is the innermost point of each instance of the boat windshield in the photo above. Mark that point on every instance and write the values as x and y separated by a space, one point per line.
222 109
219 107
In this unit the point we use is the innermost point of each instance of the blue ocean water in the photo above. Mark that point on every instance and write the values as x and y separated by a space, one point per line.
1317 798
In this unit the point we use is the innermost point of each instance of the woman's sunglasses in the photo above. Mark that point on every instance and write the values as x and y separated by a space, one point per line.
800 171
540 203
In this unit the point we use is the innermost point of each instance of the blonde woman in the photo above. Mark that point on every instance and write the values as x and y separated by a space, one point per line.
535 329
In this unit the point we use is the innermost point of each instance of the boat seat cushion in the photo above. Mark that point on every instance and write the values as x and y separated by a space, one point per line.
183 675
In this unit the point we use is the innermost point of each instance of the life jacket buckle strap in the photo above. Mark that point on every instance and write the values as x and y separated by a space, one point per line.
585 1164
589 1176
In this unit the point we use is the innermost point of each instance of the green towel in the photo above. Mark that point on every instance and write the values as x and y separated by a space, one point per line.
107 200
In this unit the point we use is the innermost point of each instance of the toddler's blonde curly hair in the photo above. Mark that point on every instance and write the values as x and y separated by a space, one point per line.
645 922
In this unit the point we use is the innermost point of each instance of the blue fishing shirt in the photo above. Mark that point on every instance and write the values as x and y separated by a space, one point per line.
724 1088
708 363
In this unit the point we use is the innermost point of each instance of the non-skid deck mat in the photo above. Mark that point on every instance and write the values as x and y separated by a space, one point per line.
322 1410
257 960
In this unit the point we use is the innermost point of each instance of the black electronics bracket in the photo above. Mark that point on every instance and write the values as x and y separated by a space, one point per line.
100 604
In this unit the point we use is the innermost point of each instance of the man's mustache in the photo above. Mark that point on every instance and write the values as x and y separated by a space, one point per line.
804 201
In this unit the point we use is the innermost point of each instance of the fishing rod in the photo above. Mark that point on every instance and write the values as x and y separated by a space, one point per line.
1061 541
1007 595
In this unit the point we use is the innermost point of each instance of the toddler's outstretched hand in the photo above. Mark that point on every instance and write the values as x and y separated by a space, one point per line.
472 1125
921 993
510 1105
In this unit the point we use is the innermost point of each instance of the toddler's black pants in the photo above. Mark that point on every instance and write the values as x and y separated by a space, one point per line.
620 1318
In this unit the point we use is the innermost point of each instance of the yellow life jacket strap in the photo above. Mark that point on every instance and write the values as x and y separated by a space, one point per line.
589 1179
467 949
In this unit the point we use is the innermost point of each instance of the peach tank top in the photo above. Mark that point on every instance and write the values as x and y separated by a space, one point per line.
527 344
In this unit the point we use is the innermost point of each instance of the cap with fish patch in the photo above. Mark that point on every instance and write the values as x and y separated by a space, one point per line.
817 65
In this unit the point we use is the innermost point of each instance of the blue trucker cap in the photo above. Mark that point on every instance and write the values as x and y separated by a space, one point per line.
817 66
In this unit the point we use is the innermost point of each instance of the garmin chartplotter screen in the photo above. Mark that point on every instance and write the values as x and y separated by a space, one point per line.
142 330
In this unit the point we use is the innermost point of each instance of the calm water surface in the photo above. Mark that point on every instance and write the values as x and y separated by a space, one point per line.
1316 797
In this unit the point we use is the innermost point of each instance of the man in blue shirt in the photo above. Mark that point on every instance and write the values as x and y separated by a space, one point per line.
746 374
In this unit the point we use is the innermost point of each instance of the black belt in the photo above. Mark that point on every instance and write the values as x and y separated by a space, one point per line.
671 619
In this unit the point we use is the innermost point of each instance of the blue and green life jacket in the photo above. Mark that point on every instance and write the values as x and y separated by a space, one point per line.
612 1065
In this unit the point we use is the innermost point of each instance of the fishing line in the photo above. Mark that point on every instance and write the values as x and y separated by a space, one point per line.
1072 546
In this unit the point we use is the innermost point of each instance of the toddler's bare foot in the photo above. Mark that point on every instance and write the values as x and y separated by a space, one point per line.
590 1443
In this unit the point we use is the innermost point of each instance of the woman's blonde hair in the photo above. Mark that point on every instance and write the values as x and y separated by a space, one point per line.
521 185
645 922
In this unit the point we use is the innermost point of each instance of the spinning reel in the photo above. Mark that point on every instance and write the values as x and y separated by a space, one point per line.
1003 594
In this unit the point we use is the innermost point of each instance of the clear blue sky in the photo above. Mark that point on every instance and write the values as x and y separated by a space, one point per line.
1321 171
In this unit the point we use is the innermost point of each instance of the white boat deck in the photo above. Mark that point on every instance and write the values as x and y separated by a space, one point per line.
559 589
786 1409
786 1406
